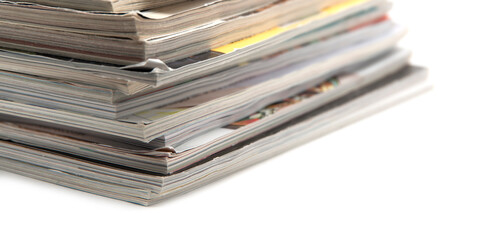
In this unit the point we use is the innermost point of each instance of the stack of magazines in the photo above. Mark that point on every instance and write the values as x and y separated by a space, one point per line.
142 100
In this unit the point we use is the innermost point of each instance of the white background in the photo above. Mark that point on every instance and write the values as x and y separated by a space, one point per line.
425 169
